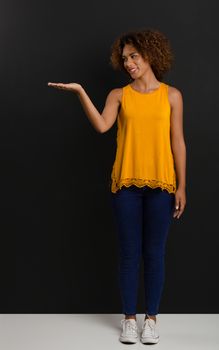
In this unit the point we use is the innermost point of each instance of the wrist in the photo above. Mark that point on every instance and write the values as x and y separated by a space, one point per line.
182 186
79 90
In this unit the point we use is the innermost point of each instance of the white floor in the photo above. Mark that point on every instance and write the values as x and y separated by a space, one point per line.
101 331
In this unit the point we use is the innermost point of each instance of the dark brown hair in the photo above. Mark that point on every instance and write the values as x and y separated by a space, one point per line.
151 44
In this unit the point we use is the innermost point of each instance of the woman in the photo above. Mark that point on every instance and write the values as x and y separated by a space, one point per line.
149 171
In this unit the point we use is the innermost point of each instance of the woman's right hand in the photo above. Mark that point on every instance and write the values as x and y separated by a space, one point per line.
69 87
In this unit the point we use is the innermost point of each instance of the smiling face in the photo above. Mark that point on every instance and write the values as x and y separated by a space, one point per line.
133 61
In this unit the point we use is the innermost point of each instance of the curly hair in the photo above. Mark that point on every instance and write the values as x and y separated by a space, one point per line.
151 44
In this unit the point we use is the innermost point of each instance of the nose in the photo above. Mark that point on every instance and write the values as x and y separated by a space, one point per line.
129 64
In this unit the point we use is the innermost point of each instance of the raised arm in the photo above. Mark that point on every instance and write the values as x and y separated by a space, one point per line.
101 122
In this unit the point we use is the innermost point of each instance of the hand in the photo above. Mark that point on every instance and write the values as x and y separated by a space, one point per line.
180 202
69 87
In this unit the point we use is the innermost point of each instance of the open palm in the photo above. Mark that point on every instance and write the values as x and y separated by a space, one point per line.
69 87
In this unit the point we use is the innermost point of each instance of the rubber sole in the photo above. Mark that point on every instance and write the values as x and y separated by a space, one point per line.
150 340
128 340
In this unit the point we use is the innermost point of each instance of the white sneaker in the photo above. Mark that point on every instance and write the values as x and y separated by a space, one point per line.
129 332
149 333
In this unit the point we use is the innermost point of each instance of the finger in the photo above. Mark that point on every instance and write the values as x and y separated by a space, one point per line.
178 216
61 86
177 206
55 84
58 86
180 213
177 211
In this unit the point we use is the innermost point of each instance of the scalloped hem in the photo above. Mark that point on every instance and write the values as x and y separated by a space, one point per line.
115 186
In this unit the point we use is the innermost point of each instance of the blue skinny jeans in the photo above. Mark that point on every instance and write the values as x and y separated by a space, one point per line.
142 217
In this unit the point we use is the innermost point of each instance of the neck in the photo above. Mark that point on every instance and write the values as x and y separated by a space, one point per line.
146 82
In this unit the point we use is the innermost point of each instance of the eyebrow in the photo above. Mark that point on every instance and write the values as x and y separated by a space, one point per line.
129 54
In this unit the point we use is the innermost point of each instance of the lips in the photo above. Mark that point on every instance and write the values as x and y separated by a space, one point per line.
132 70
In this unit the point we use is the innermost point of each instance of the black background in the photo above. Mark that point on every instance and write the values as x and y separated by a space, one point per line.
58 241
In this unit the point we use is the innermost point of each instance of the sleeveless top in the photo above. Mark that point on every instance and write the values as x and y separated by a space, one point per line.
144 155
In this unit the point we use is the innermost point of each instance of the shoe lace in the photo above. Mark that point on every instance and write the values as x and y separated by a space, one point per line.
131 327
148 328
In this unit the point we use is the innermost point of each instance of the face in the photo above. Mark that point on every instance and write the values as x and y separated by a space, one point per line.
133 61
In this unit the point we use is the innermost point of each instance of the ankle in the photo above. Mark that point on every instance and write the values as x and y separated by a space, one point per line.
150 316
130 317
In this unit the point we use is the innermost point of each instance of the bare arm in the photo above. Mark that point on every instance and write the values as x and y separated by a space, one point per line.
177 137
101 122
179 149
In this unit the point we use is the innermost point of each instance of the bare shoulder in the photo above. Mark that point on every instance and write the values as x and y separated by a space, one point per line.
117 94
175 95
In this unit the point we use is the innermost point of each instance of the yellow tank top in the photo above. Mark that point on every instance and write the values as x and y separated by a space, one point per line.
144 155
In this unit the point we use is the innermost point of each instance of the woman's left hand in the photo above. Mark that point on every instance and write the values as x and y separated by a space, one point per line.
180 202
